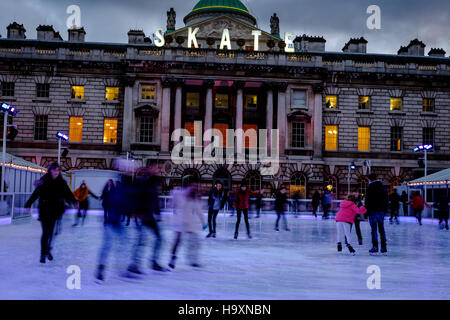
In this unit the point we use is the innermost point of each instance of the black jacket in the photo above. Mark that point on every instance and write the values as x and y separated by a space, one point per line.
214 193
108 196
51 193
376 197
280 201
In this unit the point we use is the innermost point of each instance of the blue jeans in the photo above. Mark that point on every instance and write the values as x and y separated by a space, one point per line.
376 220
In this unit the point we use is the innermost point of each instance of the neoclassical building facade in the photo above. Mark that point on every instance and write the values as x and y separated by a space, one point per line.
330 108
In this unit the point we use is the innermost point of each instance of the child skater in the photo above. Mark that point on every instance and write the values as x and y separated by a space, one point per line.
344 221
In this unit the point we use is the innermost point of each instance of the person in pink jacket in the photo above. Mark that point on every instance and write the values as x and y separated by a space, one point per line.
344 221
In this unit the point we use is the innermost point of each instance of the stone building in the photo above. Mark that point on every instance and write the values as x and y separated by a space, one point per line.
330 108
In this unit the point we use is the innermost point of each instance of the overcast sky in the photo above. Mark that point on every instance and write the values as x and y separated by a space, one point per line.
336 20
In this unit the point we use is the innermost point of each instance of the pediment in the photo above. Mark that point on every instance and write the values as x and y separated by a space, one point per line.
215 26
147 108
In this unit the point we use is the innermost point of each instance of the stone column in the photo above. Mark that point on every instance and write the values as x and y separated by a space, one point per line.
317 121
269 115
281 118
127 114
208 123
239 111
165 115
178 102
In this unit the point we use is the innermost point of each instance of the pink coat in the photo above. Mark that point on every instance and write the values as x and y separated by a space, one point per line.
348 211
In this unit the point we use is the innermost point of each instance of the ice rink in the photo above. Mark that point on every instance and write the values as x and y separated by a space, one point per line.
300 264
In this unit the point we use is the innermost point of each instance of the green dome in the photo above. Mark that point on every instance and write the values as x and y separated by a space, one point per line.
216 7
222 5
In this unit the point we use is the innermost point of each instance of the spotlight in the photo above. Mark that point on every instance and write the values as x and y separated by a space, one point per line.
62 136
352 166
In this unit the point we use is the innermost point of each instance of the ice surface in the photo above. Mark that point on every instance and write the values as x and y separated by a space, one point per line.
301 264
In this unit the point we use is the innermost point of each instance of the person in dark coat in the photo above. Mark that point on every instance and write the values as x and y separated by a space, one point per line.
216 202
376 205
107 199
443 210
315 202
280 204
404 201
326 203
296 203
394 201
52 192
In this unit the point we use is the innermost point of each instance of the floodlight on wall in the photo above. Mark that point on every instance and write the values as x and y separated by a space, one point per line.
62 136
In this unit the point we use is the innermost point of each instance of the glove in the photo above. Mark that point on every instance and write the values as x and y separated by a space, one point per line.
205 226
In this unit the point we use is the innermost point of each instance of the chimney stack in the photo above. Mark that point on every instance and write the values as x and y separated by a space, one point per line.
436 52
136 36
356 45
45 32
308 43
16 31
76 34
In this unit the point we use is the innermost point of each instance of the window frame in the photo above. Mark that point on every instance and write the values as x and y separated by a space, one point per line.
246 106
391 103
337 101
360 102
301 135
42 88
424 105
149 129
394 142
39 129
11 88
141 91
73 95
105 130
364 138
293 105
424 134
116 97
71 128
336 142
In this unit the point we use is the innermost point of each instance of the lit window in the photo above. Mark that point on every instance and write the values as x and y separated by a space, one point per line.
110 131
363 138
298 185
146 129
396 138
331 136
249 48
299 99
148 92
428 105
42 90
8 89
298 134
78 92
193 99
331 102
396 104
363 102
76 129
112 93
251 101
222 127
221 100
250 137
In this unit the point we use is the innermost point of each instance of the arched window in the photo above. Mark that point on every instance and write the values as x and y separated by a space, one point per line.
253 180
363 183
193 174
298 184
333 182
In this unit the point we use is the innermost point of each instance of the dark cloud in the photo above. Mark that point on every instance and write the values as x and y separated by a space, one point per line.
337 21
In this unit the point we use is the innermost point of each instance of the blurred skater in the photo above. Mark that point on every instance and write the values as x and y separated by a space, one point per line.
443 210
82 194
326 203
344 221
258 204
404 201
216 202
107 196
280 207
242 195
394 202
146 210
296 203
418 204
187 220
315 202
52 191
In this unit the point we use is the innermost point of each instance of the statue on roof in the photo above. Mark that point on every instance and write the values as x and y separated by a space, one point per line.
274 24
171 19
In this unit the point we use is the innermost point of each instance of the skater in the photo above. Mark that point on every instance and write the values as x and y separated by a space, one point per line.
82 194
231 202
187 220
326 203
359 203
418 204
258 203
404 201
280 203
394 200
52 191
146 209
315 202
344 220
376 205
242 195
296 203
216 202
442 206
107 196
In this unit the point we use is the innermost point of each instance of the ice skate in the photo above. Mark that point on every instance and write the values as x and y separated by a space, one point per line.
351 250
209 235
42 260
49 256
157 267
214 235
360 242
249 235
171 265
339 247
195 265
287 229
133 271
276 229
99 278
373 251
235 235
383 251
446 227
